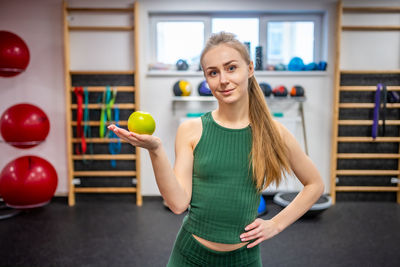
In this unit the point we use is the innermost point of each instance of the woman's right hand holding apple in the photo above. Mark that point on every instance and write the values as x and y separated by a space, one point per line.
146 141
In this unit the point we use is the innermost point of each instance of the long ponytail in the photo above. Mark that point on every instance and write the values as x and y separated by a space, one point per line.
269 152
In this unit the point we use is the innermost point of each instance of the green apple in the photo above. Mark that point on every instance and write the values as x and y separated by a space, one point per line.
141 122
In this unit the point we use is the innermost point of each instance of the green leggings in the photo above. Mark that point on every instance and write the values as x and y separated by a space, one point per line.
188 251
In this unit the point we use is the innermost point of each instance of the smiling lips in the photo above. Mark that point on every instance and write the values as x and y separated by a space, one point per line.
226 92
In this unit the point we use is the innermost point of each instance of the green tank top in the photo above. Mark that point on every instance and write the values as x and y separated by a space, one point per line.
224 197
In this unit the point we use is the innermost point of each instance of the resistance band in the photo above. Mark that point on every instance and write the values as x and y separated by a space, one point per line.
375 121
381 96
87 133
114 147
79 115
105 115
385 97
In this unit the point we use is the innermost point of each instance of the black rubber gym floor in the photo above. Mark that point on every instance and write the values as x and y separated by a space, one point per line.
113 231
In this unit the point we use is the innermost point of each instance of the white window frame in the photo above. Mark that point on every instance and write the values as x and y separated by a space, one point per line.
174 18
317 17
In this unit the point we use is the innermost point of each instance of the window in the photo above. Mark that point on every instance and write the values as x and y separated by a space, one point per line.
288 39
281 36
179 40
246 30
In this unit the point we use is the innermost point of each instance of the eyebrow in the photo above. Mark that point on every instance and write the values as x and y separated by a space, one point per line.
225 64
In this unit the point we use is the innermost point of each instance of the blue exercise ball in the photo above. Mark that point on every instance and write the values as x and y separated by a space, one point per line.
204 89
296 64
262 208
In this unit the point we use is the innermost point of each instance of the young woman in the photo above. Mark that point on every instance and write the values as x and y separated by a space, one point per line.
224 160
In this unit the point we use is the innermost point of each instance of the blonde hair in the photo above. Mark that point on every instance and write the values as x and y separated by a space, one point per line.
269 158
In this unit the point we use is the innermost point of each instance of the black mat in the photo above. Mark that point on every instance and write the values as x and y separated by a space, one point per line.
112 231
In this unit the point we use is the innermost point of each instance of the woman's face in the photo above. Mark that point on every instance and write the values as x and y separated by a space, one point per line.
227 73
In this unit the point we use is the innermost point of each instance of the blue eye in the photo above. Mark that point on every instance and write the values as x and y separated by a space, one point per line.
212 73
232 68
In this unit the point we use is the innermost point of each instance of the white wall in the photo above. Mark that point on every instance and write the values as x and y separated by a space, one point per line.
370 50
39 23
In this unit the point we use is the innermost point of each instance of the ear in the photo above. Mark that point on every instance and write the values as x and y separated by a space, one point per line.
251 69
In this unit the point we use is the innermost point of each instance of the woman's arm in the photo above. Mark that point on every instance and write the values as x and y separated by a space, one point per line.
175 185
307 173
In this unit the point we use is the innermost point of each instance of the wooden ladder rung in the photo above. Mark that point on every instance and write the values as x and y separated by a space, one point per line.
367 105
105 157
100 10
368 172
98 140
376 9
101 28
368 139
97 123
101 72
367 88
103 88
99 106
367 156
105 190
372 28
367 122
104 173
367 188
393 71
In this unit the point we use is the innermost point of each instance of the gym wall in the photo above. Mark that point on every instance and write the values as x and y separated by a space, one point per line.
39 23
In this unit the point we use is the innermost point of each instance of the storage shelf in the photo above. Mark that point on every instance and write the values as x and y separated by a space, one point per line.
213 99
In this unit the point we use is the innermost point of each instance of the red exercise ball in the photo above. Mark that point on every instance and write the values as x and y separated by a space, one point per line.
14 54
28 182
24 125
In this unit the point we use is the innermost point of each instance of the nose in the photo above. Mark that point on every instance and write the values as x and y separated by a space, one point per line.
223 79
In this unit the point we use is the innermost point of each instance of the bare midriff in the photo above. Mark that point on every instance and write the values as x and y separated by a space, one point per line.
219 246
